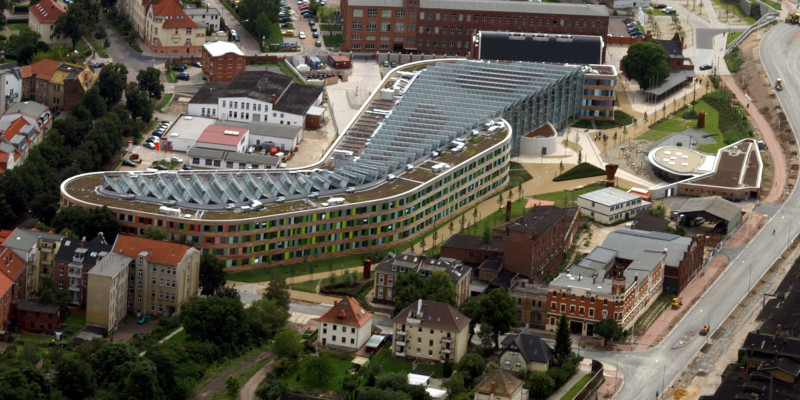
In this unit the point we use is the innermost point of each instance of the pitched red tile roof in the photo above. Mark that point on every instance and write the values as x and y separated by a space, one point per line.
11 264
43 69
347 312
13 129
159 252
46 11
172 11
5 284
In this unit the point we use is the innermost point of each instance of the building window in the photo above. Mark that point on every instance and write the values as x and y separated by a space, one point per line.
400 14
358 13
386 13
357 25
372 13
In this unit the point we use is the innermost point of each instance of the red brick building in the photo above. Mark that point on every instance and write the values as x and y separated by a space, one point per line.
72 264
222 61
603 286
447 26
472 250
35 317
6 285
537 242
16 269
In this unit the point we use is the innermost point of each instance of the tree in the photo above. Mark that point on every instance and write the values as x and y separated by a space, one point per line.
219 320
439 287
288 344
318 370
74 377
408 288
646 63
580 156
278 290
608 329
561 167
271 390
454 385
24 45
150 80
48 294
112 81
80 19
212 274
451 227
540 385
499 312
265 318
111 363
471 366
138 102
563 348
472 309
232 385
95 103
14 384
228 292
141 382
153 233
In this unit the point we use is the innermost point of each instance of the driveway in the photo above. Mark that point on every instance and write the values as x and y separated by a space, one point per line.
119 51
248 44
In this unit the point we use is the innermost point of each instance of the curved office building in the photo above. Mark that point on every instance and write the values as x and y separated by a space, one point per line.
427 145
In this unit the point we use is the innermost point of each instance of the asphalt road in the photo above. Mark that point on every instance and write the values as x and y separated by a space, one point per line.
119 51
649 372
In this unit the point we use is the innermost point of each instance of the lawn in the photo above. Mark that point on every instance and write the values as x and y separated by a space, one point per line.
171 76
389 364
577 387
620 119
517 175
773 4
17 26
275 34
735 10
264 274
165 100
83 50
732 36
566 199
340 366
677 124
307 286
177 339
333 40
97 46
733 61
76 319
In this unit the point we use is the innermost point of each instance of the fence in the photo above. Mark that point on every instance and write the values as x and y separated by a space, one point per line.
762 22
591 387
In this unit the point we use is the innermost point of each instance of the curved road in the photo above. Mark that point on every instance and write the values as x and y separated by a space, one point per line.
649 372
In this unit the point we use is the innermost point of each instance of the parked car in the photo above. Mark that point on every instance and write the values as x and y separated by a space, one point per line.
176 159
134 157
128 163
705 67
158 132
302 35
318 43
287 32
669 10
143 319
150 145
165 124
309 15
159 167
285 19
628 20
315 34
286 25
313 28
394 64
197 64
98 65
184 76
385 63
179 67
660 6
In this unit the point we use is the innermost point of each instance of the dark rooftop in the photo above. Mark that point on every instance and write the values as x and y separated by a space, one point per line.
734 387
503 279
539 47
493 264
93 248
29 306
539 219
532 348
645 221
673 46
468 242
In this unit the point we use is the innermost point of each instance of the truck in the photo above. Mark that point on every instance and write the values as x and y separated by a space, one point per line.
677 302
792 18
704 331
779 84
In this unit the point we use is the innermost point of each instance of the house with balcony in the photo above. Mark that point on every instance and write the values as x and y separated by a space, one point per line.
346 326
525 352
391 267
74 260
430 332
38 250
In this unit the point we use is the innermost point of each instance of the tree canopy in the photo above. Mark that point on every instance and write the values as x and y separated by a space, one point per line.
563 349
608 329
219 320
439 287
150 80
266 318
646 63
80 19
287 344
278 290
318 370
212 274
497 310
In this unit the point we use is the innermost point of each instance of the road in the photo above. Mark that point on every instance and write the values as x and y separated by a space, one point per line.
119 51
649 372
247 43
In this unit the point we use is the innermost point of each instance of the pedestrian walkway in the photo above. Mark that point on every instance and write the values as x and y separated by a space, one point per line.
559 394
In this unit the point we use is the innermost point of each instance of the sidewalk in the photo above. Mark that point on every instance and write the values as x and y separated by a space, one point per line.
579 374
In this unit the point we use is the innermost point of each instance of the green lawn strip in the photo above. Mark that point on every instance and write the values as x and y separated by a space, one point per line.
735 10
580 171
135 46
275 35
773 4
340 366
263 274
218 368
565 198
177 338
677 124
333 40
651 314
165 100
389 364
621 118
170 76
733 61
97 46
307 286
574 390
732 36
517 175
17 26
29 337
76 319
83 50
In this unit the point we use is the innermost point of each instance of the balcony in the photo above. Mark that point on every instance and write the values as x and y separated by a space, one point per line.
446 350
400 354
401 334
447 339
401 343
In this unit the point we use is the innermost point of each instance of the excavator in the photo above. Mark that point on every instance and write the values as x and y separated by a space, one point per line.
792 18
779 84
677 302
704 331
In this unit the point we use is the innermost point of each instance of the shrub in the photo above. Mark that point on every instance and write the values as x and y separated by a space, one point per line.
582 170
559 375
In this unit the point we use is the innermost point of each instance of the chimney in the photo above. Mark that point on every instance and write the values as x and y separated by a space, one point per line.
508 227
594 279
367 268
611 171
741 372
508 210
274 99
778 329
752 348
682 43
776 354
83 241
579 277
419 307
492 391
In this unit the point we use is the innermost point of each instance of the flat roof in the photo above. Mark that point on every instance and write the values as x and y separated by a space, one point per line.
609 196
267 129
222 135
188 127
493 6
110 265
681 160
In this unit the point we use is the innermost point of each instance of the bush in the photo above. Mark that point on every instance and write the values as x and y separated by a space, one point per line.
559 375
689 114
350 383
733 60
582 170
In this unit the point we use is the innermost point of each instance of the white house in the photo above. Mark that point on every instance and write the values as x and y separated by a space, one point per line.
346 325
10 85
256 96
611 205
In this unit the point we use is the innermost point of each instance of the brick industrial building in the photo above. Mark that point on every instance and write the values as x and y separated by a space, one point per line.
447 26
222 61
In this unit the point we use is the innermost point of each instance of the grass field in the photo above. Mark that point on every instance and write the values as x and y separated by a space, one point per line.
390 364
308 286
76 319
165 100
735 10
17 26
573 391
677 124
340 366
732 36
177 339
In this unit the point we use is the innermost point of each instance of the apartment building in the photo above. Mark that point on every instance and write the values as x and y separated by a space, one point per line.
204 16
346 326
530 297
610 205
58 85
222 61
447 26
604 285
108 291
42 20
10 85
6 294
74 260
391 267
38 250
166 274
430 332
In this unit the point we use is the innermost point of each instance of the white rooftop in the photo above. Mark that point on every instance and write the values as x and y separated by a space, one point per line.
218 48
609 196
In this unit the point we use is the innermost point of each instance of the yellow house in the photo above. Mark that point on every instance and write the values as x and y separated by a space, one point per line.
107 295
42 20
430 331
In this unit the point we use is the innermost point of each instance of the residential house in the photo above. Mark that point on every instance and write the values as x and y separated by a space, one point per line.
38 250
537 242
525 352
165 276
256 96
222 61
15 268
430 331
391 267
6 293
58 85
29 316
501 385
16 139
611 205
681 69
606 285
108 291
684 255
346 325
204 16
35 113
168 27
10 85
42 20
530 297
472 250
74 260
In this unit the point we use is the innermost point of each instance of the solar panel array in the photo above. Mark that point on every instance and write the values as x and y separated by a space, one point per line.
442 103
